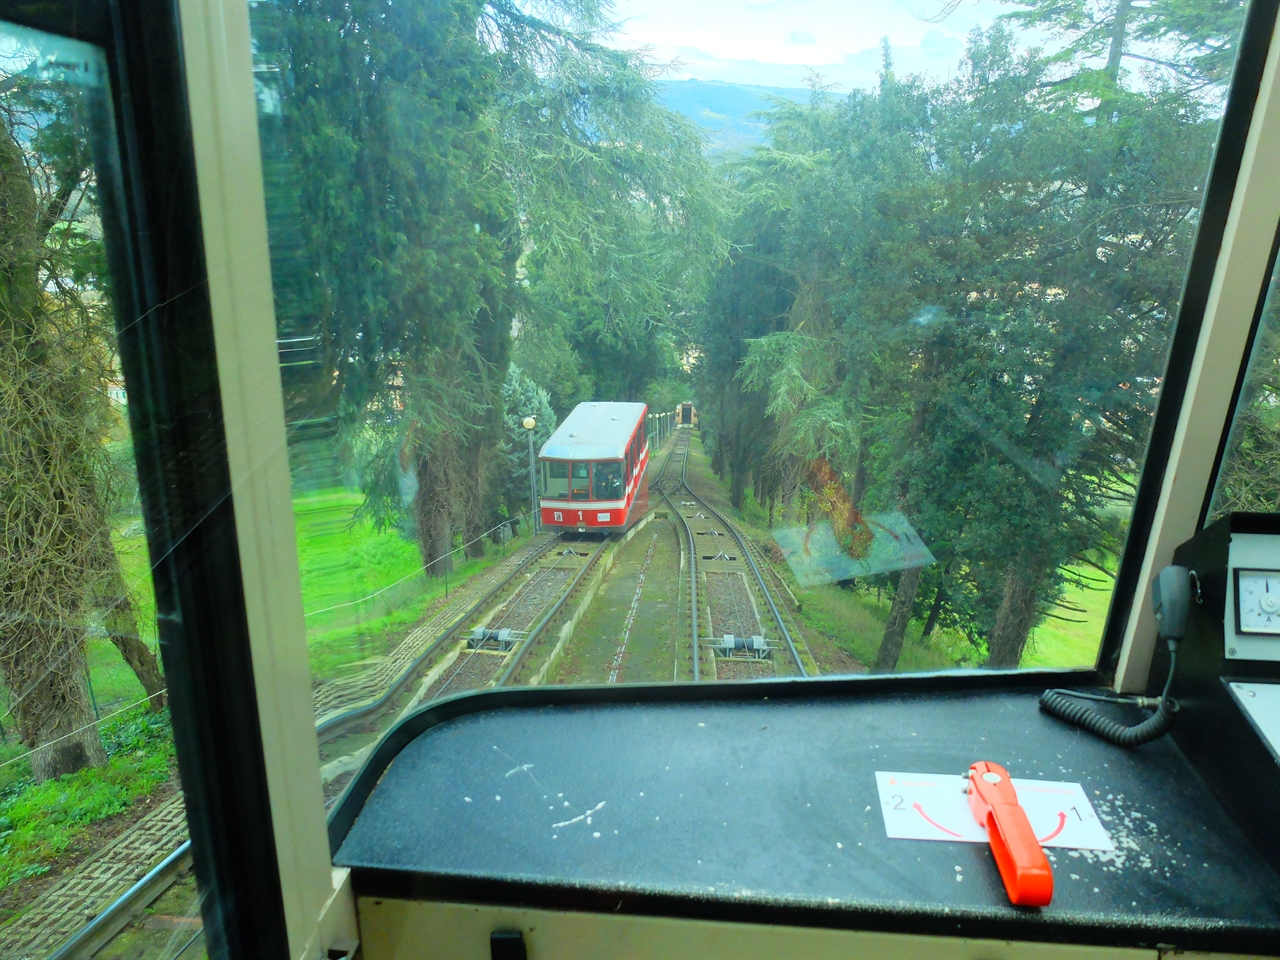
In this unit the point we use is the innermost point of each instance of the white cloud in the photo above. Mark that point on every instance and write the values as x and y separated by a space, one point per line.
782 42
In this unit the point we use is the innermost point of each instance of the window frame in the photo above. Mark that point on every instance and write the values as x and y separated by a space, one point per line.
177 368
1241 376
267 887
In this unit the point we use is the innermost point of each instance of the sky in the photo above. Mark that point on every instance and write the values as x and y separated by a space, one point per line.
779 43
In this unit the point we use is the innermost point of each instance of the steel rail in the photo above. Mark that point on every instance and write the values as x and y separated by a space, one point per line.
510 605
95 934
746 553
99 931
693 549
365 710
527 645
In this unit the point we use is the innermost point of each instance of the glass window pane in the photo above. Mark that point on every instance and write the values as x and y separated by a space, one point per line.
914 315
86 750
607 480
557 480
580 481
1249 475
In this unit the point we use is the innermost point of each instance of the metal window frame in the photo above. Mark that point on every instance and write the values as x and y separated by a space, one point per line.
1241 377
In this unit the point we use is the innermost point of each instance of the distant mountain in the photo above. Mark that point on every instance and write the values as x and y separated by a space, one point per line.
724 109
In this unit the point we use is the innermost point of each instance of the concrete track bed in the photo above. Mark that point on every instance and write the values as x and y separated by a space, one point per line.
650 649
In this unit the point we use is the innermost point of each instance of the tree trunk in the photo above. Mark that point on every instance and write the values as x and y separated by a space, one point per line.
934 612
895 630
477 478
1115 51
1018 611
737 486
860 473
121 622
48 388
434 515
56 712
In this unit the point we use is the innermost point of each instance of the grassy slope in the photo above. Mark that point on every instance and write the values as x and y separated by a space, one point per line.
853 620
342 561
39 822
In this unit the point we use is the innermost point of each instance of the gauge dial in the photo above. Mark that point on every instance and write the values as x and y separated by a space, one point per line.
1258 601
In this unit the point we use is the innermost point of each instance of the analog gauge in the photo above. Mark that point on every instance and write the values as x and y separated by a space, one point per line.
1258 601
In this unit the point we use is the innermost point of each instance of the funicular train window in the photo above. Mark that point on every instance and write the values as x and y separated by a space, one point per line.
924 383
580 481
607 480
556 485
86 746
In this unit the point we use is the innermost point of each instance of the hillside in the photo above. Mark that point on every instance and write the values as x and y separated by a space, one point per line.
725 109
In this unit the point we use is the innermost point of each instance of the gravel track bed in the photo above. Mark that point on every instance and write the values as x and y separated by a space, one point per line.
727 669
473 673
543 588
730 602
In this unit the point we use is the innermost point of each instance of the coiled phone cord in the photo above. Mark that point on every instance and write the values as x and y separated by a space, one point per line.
1060 704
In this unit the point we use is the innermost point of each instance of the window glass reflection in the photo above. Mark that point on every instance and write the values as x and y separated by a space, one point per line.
915 310
557 482
580 481
86 751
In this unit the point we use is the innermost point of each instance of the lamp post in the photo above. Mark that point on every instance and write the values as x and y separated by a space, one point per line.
529 423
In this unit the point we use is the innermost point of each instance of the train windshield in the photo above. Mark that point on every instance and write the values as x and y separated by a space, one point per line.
607 480
580 481
898 297
555 480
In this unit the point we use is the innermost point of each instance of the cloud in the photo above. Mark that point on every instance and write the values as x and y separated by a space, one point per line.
801 37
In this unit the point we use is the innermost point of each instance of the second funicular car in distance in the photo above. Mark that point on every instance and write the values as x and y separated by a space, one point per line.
593 469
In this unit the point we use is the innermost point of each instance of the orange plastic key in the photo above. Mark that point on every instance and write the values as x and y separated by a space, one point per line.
1027 877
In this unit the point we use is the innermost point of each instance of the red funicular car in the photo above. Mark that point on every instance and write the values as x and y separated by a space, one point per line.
593 469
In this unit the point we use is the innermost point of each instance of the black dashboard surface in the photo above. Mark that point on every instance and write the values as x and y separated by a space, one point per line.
767 810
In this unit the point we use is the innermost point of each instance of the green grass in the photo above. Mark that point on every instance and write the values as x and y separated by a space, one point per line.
340 561
344 562
1056 643
38 822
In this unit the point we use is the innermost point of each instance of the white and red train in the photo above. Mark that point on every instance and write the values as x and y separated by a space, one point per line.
592 469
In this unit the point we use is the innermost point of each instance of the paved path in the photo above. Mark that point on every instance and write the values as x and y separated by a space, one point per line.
82 895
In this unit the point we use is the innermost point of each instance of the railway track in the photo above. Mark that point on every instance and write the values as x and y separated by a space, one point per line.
727 594
724 575
482 647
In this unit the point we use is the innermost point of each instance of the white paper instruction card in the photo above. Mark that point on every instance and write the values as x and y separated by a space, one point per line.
934 806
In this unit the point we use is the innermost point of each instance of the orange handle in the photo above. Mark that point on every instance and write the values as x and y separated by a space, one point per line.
1027 876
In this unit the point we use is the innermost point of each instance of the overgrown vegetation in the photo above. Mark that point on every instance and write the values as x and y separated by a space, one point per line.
946 299
59 487
41 821
953 300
